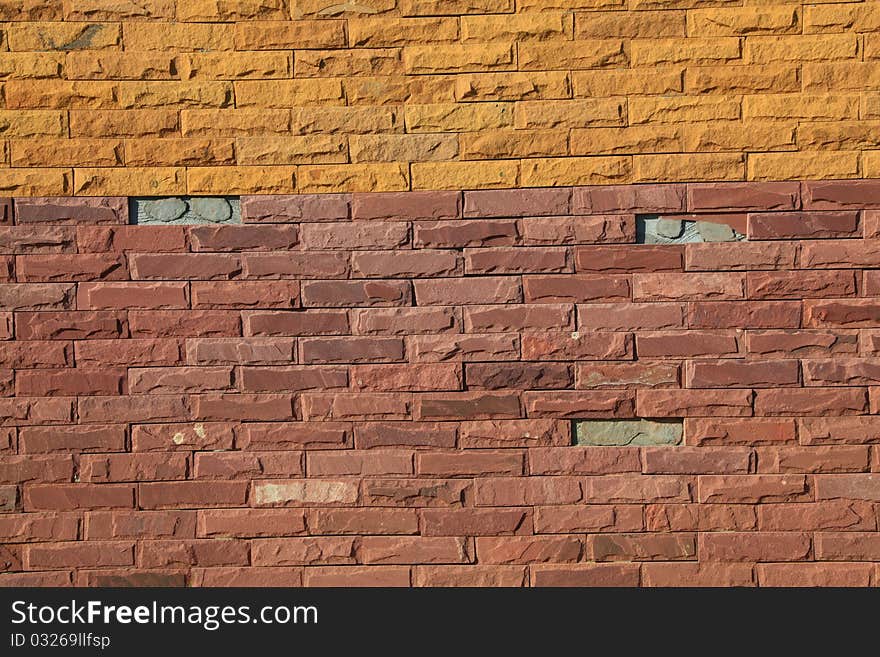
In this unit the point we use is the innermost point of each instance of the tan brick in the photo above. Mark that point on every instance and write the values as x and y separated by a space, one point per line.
766 49
35 182
629 25
686 109
341 63
568 5
234 122
815 165
60 94
841 76
839 135
629 140
123 123
688 166
384 32
592 84
26 65
112 65
570 113
537 85
395 90
862 17
353 178
30 10
288 93
458 58
346 120
651 52
182 37
520 27
870 106
331 9
235 10
32 123
744 21
403 148
146 95
871 164
63 36
171 152
564 171
66 152
240 180
500 144
308 149
453 7
735 136
234 66
132 181
772 78
114 10
458 118
465 175
574 55
796 106
282 35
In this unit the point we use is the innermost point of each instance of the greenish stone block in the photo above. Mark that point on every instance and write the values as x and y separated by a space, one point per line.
608 433
186 210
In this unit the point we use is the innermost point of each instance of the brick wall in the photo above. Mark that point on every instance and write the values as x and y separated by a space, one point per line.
160 97
381 389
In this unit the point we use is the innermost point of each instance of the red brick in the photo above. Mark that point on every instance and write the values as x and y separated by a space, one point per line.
476 522
192 494
743 196
413 550
848 486
688 287
839 254
628 259
243 407
740 256
79 555
851 546
406 378
340 294
66 268
293 264
466 406
356 406
37 469
570 230
466 348
576 289
738 489
170 380
524 376
527 491
514 433
76 325
838 430
127 352
603 575
349 576
99 296
36 410
191 266
694 403
811 401
24 354
72 382
243 238
502 319
363 521
183 323
631 316
184 437
367 235
853 313
802 225
837 515
465 291
125 239
416 492
643 374
77 497
700 517
516 202
42 296
641 547
294 435
132 467
583 460
53 578
250 523
291 379
405 321
175 554
587 518
580 404
469 464
842 372
294 208
469 576
697 575
528 549
840 194
249 465
307 322
99 210
814 574
736 373
814 459
764 546
406 205
245 294
802 343
38 527
405 264
244 351
629 198
361 462
461 234
696 460
140 524
37 239
577 346
516 260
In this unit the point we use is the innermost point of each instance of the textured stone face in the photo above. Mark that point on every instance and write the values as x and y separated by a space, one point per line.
684 229
627 432
186 210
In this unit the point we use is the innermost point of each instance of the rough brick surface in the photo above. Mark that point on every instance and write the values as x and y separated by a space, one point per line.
385 389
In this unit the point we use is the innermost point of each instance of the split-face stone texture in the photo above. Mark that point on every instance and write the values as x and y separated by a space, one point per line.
476 387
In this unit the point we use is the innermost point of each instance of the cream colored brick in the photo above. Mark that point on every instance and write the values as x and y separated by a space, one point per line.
234 122
772 78
537 85
501 144
63 36
521 27
35 182
454 7
825 47
465 175
587 54
680 167
287 35
334 8
346 120
736 136
123 123
26 65
241 180
60 94
113 65
32 123
388 31
811 165
839 135
116 10
801 106
309 149
353 178
629 25
627 141
458 118
397 90
840 76
178 37
738 21
231 10
131 181
857 17
173 152
459 58
342 63
570 113
146 95
592 84
651 52
403 148
66 152
684 109
564 171
288 93
237 66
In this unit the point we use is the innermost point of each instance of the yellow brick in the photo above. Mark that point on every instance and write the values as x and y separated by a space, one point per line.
403 148
872 46
384 32
629 25
333 8
26 65
66 152
518 27
116 10
640 5
537 85
341 63
839 135
241 180
465 175
500 144
30 10
811 165
841 76
458 118
285 35
650 52
679 167
132 181
346 120
309 149
568 5
772 78
35 182
801 106
572 55
231 10
870 106
626 141
123 123
458 59
353 178
871 164
396 90
234 66
36 123
144 95
178 37
684 109
563 171
63 36
570 113
60 94
176 152
766 49
288 93
453 7
592 84
735 136
234 122
738 21
113 65
842 18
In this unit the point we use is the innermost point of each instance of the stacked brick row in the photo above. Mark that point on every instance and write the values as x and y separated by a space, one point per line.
380 389
106 97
